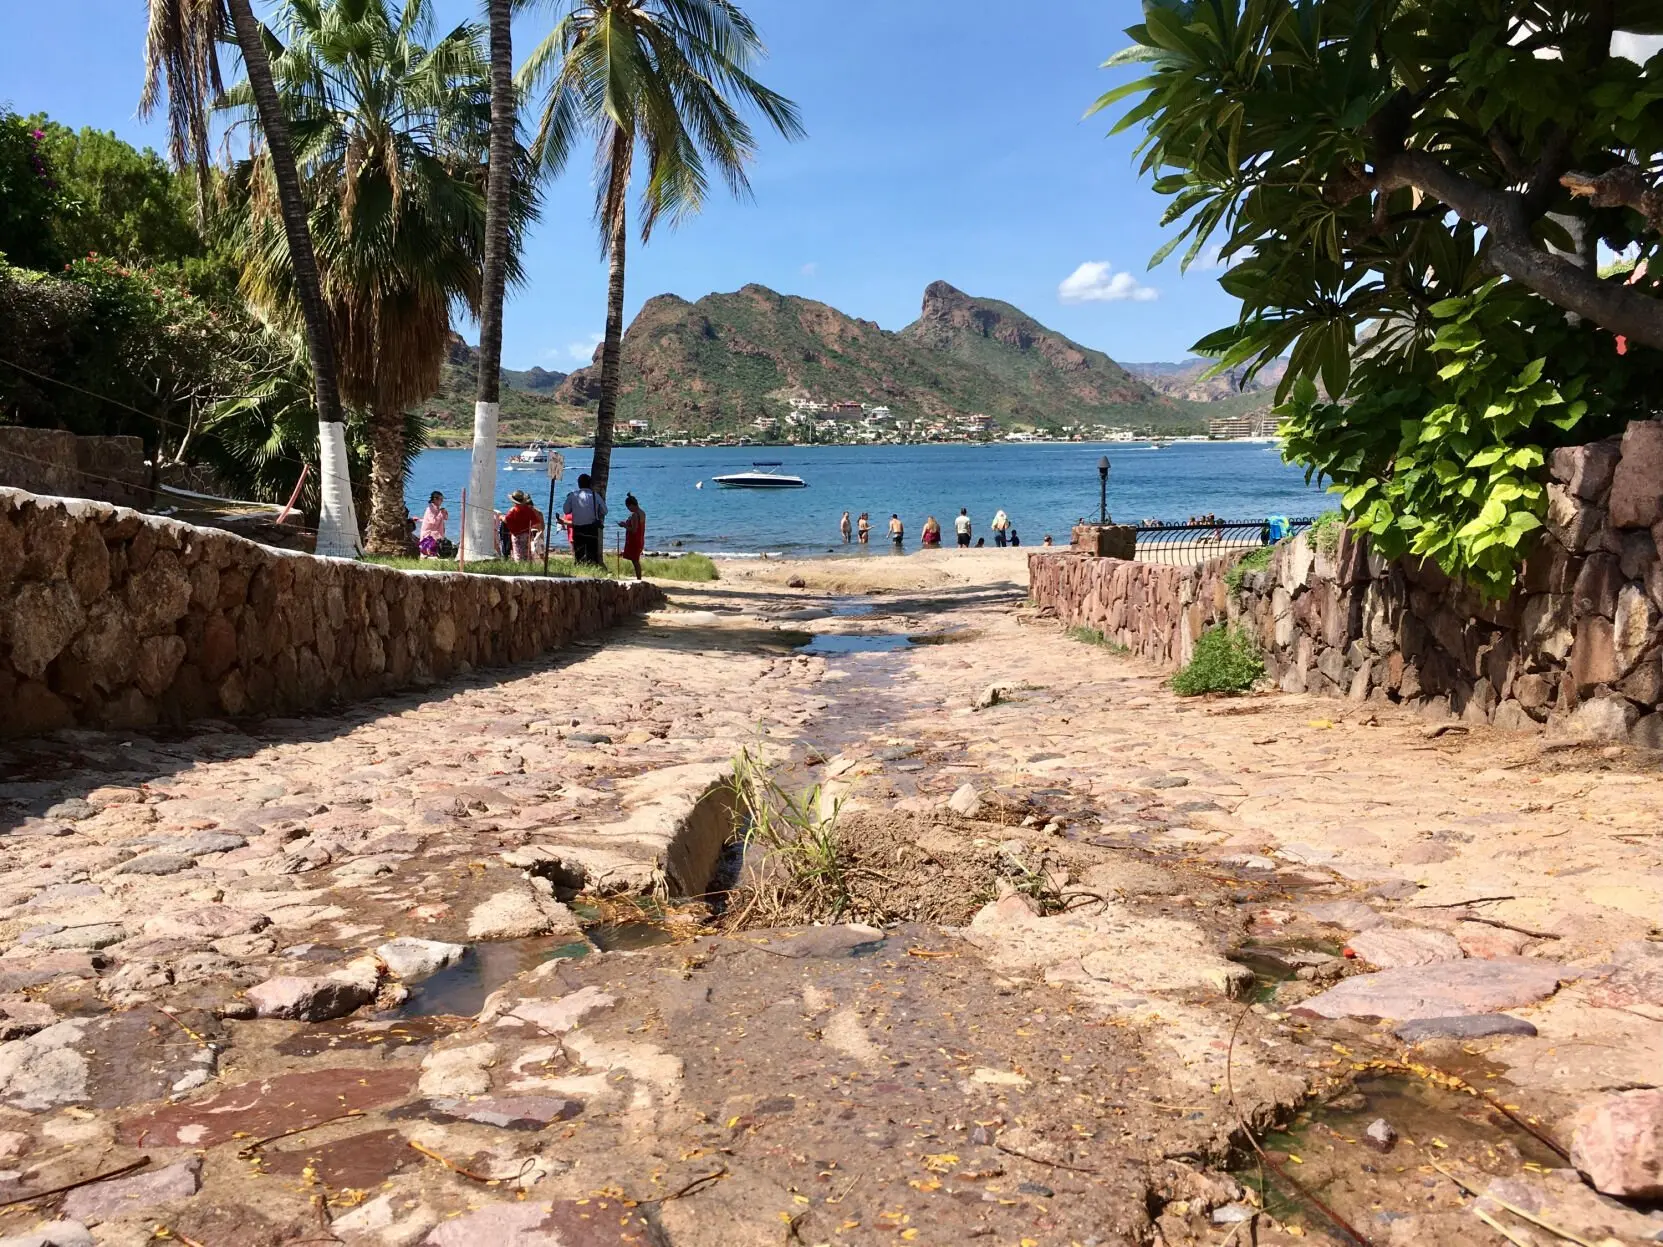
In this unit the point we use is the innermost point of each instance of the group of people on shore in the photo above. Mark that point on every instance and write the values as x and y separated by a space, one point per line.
1003 530
522 532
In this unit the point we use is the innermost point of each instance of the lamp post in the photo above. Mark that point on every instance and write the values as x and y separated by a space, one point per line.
1103 492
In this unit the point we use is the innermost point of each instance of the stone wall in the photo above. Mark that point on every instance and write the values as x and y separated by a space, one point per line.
109 618
51 461
1575 648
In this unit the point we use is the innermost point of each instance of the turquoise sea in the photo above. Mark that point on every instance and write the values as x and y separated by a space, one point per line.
1044 487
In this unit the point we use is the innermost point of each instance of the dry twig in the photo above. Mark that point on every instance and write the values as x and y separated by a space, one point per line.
140 1163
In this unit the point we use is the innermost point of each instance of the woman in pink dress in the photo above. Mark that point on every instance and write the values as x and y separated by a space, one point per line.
433 524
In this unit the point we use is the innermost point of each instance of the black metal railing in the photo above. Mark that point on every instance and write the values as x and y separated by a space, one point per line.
1188 543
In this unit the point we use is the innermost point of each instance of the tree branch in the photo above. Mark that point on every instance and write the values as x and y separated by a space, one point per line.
1626 186
1618 307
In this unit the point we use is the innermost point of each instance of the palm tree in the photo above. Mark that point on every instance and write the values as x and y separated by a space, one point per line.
477 522
658 73
181 59
390 137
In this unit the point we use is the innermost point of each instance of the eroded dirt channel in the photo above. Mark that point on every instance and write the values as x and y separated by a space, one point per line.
421 973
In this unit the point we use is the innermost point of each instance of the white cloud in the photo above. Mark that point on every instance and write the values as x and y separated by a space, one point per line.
1096 282
583 352
811 268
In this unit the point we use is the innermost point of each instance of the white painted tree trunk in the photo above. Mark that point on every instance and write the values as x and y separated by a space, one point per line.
480 522
337 517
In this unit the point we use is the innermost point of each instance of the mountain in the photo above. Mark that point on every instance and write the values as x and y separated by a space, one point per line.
526 405
1182 379
532 380
721 362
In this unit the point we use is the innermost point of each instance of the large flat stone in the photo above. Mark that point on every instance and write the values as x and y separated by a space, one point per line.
103 1201
267 1106
1390 947
1446 989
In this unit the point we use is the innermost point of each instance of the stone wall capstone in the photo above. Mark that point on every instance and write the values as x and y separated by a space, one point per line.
1577 648
110 618
52 461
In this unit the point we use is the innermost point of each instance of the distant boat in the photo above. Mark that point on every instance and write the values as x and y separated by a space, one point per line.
534 458
761 479
1155 443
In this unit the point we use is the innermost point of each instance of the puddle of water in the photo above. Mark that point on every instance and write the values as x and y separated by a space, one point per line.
852 608
859 643
460 990
1370 1189
613 937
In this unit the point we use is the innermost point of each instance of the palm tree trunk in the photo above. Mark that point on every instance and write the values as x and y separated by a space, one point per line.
338 520
479 523
606 415
389 517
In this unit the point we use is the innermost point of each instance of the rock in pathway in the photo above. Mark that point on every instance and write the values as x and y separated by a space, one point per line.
317 999
104 1201
52 1234
1446 989
413 959
1617 1142
1470 1026
520 913
1390 947
966 802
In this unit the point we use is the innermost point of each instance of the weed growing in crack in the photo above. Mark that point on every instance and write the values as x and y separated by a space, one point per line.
1094 636
803 870
1226 660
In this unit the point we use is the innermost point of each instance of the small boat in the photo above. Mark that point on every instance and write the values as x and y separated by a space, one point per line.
534 458
761 478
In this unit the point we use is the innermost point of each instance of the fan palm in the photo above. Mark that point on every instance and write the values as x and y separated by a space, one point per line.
390 137
664 74
479 522
181 61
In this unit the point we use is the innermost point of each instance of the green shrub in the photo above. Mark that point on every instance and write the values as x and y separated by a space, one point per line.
1226 660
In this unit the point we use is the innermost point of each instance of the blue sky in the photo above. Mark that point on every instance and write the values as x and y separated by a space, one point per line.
945 142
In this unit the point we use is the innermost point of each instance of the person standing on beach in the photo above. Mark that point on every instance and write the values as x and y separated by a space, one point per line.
845 528
897 530
588 512
635 532
865 528
1001 523
962 527
932 533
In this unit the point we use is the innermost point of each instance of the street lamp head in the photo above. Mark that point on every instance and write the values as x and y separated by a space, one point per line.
1103 466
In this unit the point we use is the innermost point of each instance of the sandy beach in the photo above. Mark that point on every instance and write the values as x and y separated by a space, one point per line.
882 571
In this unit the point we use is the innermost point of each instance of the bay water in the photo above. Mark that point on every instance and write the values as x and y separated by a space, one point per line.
1044 487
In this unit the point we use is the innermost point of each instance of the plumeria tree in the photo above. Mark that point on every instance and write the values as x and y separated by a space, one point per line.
1413 196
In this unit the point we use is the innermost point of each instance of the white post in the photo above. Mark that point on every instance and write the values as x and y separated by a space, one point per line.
479 521
337 517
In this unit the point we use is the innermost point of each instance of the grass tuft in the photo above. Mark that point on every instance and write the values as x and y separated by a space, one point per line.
805 868
1226 660
1095 636
692 567
1253 561
1324 532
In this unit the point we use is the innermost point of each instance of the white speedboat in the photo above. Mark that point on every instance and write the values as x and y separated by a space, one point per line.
534 458
761 478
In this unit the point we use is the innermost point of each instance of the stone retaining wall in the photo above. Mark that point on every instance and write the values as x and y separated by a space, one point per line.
1575 647
110 618
51 461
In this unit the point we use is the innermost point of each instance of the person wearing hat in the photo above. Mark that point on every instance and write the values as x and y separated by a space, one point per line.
522 520
588 511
